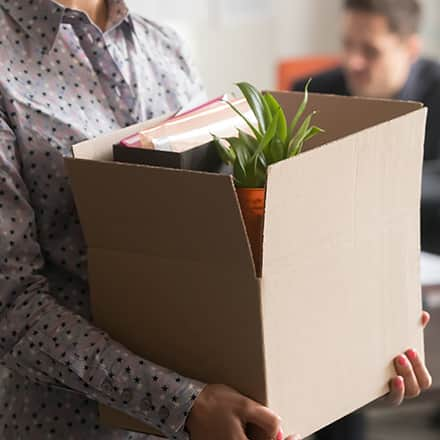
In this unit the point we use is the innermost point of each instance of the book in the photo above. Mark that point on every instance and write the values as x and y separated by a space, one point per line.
185 140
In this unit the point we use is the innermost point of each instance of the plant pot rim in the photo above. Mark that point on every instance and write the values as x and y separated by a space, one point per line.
241 188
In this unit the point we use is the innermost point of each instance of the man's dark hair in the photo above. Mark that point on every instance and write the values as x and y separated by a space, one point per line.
404 16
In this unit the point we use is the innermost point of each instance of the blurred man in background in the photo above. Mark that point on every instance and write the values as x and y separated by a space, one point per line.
381 58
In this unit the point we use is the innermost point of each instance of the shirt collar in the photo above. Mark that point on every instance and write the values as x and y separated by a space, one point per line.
118 13
41 19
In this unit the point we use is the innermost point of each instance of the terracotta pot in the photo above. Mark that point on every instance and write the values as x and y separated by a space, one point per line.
252 207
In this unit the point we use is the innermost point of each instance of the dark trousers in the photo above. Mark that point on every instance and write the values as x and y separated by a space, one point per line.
352 427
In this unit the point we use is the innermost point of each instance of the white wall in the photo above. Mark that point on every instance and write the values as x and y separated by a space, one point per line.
231 47
232 41
431 28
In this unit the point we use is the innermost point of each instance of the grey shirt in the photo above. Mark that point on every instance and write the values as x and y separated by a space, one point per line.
62 80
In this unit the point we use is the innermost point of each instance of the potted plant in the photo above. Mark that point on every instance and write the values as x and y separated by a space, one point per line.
271 140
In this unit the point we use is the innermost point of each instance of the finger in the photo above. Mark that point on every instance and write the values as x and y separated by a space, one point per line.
397 391
263 418
423 377
254 432
404 368
280 435
239 433
294 437
426 317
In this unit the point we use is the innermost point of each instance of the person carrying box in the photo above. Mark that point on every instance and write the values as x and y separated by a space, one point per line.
72 70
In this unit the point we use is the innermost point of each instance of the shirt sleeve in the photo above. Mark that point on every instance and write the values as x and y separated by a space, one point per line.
196 91
47 343
170 45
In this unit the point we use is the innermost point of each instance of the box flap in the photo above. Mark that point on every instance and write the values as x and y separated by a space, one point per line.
313 186
341 266
160 212
341 116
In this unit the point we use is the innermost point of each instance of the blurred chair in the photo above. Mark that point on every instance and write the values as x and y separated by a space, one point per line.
292 69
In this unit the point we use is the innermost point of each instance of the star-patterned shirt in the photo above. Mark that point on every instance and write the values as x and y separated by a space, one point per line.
63 80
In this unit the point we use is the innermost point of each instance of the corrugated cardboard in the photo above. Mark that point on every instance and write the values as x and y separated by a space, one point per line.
172 276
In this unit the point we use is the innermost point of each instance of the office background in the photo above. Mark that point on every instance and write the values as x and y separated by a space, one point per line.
233 40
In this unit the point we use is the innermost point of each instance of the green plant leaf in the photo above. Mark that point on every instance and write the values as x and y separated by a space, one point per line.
242 154
276 152
300 110
257 104
255 177
270 133
239 174
269 153
254 130
312 132
269 141
250 142
226 154
309 134
293 145
275 106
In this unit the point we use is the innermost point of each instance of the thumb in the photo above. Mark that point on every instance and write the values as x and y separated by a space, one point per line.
265 419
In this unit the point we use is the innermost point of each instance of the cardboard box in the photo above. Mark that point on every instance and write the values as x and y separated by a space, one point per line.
172 276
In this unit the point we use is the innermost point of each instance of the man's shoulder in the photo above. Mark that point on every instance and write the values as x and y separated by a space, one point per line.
429 66
429 71
328 81
428 77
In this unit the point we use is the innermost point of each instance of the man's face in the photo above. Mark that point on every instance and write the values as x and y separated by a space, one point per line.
376 60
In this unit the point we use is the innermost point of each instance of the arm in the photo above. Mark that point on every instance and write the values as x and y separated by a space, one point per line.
47 343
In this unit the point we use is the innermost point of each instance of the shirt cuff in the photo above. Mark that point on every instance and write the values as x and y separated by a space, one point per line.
181 407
